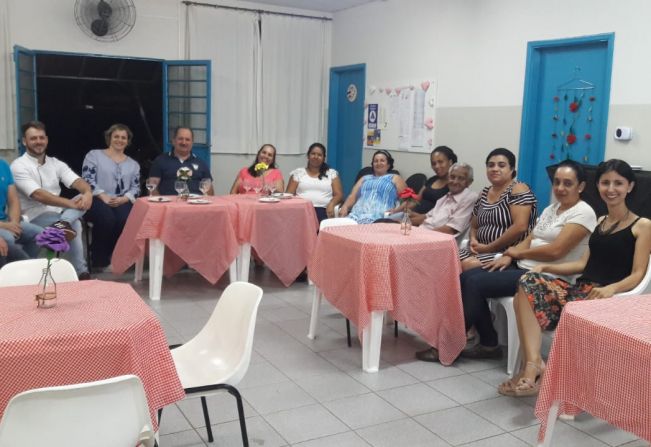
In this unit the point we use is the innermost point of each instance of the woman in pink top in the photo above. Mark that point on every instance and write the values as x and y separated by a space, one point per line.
248 180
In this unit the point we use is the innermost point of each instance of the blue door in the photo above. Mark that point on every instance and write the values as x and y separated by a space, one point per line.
565 108
346 121
186 103
27 106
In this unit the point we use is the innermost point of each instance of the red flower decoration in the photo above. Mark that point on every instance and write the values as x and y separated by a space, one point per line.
571 139
555 98
588 136
574 106
408 194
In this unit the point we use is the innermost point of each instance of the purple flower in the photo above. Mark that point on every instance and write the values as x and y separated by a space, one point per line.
53 239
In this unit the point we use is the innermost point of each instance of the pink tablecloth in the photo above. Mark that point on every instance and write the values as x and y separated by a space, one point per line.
97 330
202 236
283 234
600 362
363 268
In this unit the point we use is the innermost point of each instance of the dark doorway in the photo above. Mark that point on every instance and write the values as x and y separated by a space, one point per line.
80 96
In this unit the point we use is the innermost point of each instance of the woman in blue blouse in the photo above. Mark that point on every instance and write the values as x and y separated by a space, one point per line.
375 193
115 180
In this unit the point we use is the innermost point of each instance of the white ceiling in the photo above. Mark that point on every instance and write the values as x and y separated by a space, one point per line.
317 5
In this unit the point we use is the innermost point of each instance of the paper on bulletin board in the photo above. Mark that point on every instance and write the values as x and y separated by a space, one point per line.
403 117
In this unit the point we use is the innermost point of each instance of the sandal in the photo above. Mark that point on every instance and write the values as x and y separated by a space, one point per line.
528 387
507 388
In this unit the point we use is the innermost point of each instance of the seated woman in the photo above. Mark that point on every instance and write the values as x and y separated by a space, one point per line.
561 235
375 193
248 179
441 159
317 182
115 180
615 261
503 215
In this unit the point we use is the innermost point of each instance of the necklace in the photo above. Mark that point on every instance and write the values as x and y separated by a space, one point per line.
610 229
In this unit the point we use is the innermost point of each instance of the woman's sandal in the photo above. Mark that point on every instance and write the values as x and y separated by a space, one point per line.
527 387
507 388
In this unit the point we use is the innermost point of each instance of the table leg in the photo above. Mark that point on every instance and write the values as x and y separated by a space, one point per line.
314 318
371 342
156 257
232 271
244 261
551 421
140 264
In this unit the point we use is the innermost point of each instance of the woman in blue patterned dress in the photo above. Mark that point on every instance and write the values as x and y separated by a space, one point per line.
375 193
115 180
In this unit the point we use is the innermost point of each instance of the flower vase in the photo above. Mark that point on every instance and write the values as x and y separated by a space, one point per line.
405 224
185 194
47 290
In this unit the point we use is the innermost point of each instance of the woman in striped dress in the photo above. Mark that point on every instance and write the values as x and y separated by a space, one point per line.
503 215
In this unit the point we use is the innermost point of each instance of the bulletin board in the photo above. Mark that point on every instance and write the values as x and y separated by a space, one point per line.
400 116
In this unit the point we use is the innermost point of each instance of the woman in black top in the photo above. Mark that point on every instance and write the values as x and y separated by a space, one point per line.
441 159
615 261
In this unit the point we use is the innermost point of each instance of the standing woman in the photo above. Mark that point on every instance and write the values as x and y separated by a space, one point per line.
441 159
615 261
374 194
249 177
503 215
115 180
317 182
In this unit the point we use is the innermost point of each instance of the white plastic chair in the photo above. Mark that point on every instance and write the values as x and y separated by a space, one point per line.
107 413
317 295
29 271
219 355
512 328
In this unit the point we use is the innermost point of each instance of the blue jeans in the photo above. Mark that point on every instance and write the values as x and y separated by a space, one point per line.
76 253
477 285
108 223
29 248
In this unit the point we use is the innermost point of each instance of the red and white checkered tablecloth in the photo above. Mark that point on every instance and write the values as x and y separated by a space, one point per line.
200 235
97 330
283 233
600 362
363 268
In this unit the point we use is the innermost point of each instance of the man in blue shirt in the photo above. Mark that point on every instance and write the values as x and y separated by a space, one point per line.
163 171
16 238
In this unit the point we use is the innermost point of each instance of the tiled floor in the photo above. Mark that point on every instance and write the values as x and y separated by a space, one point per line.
307 393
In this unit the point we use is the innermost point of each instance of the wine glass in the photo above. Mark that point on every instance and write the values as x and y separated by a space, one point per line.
272 188
150 186
257 187
247 186
204 185
179 186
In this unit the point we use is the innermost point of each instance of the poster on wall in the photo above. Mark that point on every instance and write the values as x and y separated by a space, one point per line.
401 118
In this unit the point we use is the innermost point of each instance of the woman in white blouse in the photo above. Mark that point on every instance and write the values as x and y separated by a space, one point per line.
317 182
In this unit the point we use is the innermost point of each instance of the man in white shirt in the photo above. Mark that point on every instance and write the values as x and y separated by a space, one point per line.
453 211
37 179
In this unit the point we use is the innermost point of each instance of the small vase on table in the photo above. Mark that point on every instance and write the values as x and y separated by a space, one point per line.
47 290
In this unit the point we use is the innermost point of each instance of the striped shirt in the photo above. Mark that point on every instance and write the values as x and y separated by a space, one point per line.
493 219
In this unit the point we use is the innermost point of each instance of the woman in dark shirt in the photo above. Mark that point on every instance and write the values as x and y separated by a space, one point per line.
615 261
441 158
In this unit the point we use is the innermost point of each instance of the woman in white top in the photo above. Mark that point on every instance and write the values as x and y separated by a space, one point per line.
317 183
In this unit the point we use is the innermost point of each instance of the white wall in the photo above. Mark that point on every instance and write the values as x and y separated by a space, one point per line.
476 50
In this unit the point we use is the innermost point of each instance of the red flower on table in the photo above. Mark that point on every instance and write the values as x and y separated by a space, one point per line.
408 194
571 139
588 136
574 106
